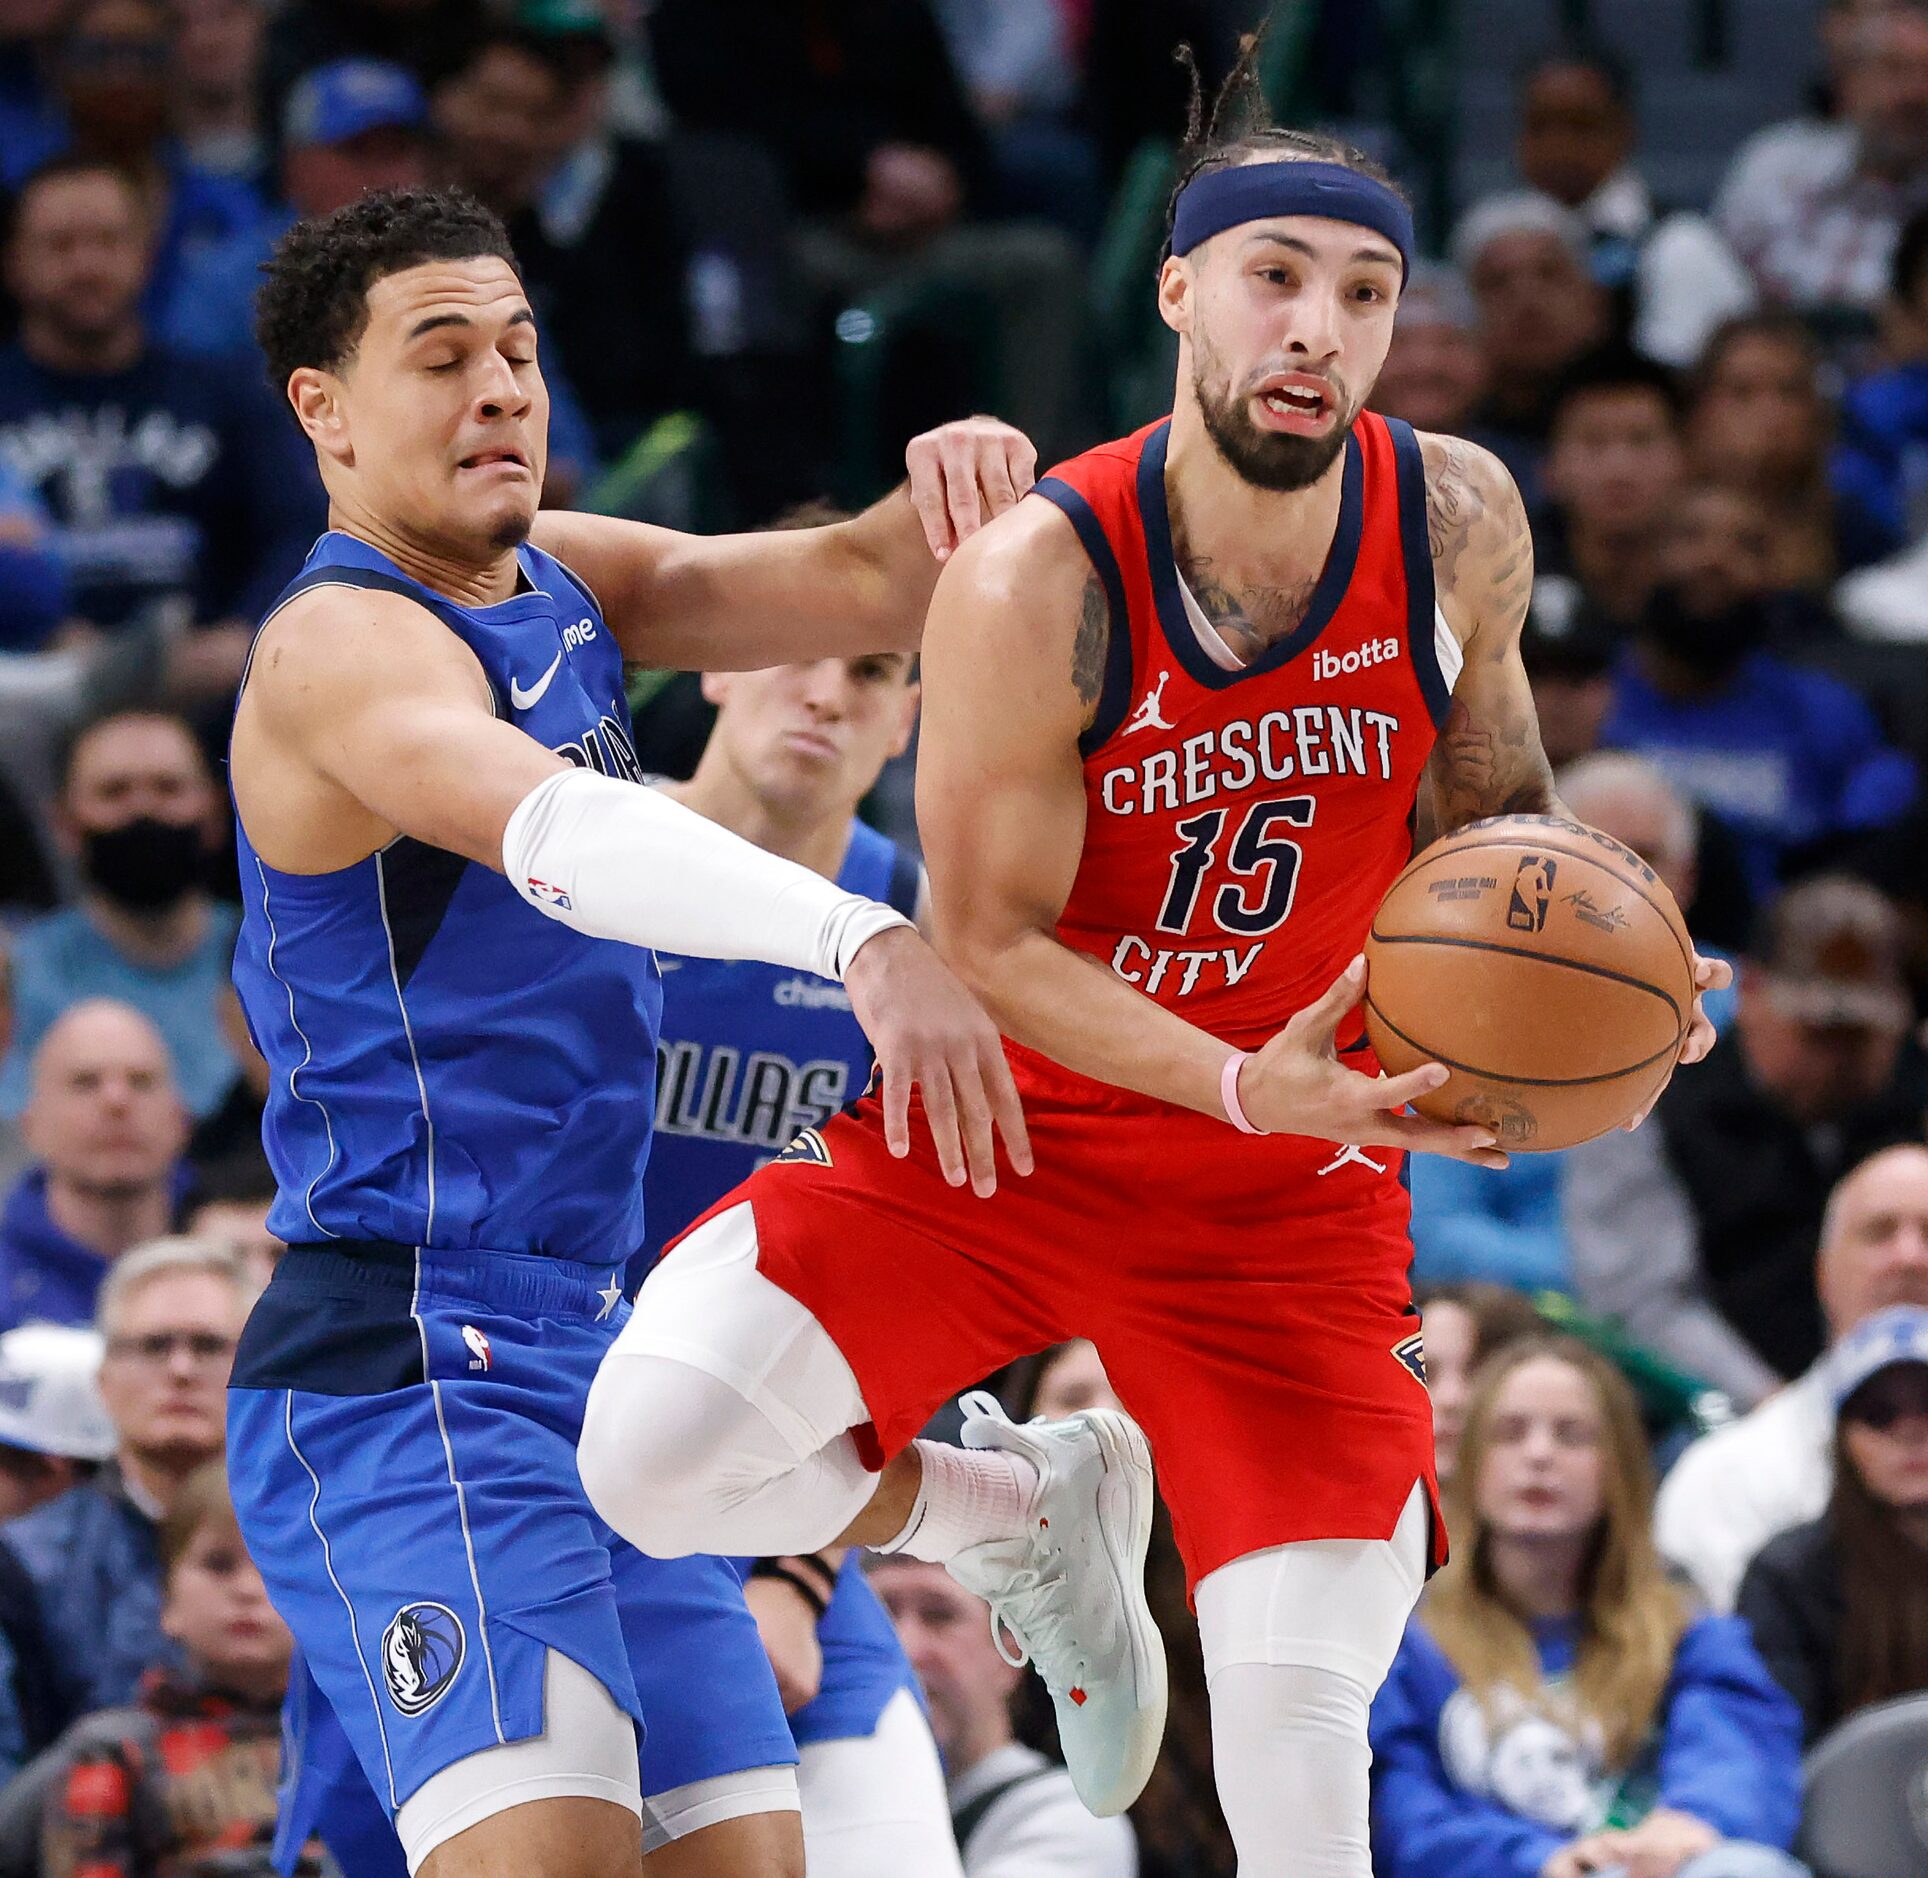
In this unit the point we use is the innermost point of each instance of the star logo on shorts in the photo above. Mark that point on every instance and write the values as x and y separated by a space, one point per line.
611 1295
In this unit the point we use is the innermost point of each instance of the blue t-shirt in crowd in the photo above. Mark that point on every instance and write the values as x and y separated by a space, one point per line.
173 477
63 957
46 1277
33 579
95 1561
1494 1792
1883 455
1784 756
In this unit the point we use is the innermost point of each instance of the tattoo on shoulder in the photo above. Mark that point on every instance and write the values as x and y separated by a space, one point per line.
1481 542
1094 633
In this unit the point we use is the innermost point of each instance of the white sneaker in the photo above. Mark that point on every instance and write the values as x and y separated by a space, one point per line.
1071 1590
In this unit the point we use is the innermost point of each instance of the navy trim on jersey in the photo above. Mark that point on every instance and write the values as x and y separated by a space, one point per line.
1416 544
906 882
1114 699
1342 558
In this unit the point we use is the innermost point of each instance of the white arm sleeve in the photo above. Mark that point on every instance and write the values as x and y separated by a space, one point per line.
618 861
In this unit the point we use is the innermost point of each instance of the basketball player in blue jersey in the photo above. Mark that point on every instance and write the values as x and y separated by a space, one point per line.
451 887
750 1056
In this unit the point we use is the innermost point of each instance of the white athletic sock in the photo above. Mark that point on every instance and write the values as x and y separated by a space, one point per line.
968 1495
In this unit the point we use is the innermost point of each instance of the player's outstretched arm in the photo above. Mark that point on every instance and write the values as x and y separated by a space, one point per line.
1014 659
1488 760
740 602
365 718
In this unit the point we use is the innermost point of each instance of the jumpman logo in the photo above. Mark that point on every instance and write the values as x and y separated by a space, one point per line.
1148 716
1351 1156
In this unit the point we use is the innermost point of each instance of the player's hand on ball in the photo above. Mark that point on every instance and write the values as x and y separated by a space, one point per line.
1296 1085
927 1030
1709 975
963 474
788 1627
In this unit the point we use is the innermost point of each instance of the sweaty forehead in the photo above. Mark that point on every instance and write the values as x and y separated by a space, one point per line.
483 290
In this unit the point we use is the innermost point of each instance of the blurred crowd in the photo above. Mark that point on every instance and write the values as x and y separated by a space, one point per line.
766 241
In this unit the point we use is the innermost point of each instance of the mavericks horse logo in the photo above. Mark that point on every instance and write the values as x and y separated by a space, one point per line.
422 1650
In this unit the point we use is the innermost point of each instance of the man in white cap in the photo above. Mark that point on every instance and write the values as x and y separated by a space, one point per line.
53 1423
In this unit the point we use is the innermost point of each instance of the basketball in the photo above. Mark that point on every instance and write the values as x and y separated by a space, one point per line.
1542 963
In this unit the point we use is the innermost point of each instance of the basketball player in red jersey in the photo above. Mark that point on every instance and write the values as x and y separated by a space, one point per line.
1179 708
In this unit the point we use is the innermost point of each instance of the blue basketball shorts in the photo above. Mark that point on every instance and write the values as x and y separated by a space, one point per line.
402 1432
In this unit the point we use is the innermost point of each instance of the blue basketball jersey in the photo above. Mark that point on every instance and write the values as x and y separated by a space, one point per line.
451 1069
751 1054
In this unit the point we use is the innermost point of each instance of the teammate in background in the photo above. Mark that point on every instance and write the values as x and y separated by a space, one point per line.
749 1056
1178 712
441 844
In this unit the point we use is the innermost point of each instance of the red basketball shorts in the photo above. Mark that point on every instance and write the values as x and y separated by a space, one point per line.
1249 1296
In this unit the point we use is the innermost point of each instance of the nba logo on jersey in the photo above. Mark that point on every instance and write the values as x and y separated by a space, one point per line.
479 1357
555 896
422 1651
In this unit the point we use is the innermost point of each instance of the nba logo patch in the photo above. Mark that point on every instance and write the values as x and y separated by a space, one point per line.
480 1356
808 1147
1410 1354
550 896
422 1652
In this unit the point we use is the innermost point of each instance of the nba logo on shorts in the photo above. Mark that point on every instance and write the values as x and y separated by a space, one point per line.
479 1356
422 1651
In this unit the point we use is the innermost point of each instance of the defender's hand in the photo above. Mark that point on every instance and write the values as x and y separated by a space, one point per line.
1296 1085
927 1030
1709 975
788 1627
963 474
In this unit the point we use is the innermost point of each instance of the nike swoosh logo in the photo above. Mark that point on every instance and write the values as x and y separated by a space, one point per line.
523 700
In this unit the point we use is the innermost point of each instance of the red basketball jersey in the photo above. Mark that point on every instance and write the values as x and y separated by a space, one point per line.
1243 825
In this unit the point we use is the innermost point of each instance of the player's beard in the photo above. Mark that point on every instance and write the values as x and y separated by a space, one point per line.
1267 459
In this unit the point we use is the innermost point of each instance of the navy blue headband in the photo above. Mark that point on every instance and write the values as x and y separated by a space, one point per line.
1251 192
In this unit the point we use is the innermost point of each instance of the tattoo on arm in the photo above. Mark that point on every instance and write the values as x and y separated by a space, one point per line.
1481 542
1488 760
1094 634
1483 768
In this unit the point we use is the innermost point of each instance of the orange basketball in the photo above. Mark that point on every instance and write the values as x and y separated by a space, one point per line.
1542 963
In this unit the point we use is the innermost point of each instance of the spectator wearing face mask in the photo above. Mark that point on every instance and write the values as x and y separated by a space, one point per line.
1839 1608
1788 757
1813 209
1698 1230
1675 276
107 1130
139 818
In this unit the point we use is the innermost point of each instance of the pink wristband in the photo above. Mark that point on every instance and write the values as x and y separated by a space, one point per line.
1228 1093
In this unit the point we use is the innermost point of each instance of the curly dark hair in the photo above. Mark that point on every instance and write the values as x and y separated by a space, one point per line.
1237 126
312 305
